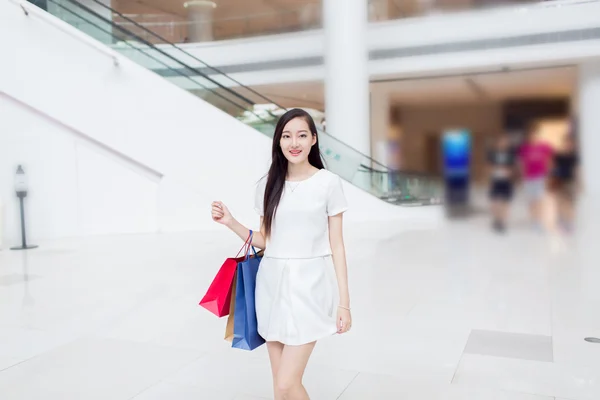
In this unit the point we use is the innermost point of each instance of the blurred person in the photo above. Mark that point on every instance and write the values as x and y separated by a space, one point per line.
535 158
564 182
501 160
302 284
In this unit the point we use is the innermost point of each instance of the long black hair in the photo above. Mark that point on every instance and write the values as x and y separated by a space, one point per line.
279 165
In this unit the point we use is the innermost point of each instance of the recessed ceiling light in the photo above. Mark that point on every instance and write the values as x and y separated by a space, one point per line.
201 3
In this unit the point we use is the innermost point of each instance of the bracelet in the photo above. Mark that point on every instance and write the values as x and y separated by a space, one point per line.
345 308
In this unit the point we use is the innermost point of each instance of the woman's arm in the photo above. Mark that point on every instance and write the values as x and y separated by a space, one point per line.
258 238
222 215
336 240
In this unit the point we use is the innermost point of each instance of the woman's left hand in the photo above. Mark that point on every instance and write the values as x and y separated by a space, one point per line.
344 320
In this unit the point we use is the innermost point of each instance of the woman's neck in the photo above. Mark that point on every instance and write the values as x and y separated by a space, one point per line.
300 171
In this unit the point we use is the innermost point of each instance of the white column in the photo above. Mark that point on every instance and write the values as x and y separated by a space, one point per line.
588 131
1 223
200 18
589 125
588 204
346 75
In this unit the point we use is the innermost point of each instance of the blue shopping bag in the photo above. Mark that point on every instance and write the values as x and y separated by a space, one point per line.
245 329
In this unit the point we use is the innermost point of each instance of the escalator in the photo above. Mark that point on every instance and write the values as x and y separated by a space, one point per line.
241 102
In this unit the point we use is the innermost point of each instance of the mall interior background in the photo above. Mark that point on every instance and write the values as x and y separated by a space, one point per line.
409 111
130 117
417 110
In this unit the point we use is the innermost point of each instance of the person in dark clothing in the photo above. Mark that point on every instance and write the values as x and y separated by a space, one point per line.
501 160
564 182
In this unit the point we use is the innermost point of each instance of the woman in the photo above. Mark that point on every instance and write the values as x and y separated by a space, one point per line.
300 206
535 159
564 182
501 161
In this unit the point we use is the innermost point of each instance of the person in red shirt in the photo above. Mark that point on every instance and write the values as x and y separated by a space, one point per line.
535 159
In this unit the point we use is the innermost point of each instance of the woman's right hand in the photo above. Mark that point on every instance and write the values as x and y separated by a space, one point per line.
221 214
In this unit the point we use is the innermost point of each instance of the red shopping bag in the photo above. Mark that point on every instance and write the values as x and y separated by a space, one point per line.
218 296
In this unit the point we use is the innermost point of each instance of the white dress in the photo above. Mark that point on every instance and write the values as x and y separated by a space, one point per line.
296 287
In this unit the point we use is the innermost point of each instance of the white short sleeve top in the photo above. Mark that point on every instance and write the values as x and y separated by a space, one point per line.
300 228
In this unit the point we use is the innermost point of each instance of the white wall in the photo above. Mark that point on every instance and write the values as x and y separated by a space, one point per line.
201 152
436 29
141 120
77 188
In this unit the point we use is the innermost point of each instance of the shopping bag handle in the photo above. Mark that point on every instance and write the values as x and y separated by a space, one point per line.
250 245
247 245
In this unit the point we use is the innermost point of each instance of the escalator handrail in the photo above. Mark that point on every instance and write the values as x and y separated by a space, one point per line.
138 49
151 46
188 54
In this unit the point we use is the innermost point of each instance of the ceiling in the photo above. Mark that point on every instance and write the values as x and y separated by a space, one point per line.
230 19
246 18
224 9
540 83
234 8
484 87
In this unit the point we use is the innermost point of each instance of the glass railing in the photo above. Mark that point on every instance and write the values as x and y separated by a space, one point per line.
225 93
180 67
221 22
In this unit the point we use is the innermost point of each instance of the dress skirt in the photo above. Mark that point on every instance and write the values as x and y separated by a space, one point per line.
296 299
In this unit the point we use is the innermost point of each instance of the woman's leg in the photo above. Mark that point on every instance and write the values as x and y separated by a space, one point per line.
551 212
494 210
528 188
538 203
567 208
497 212
503 211
494 204
291 369
275 350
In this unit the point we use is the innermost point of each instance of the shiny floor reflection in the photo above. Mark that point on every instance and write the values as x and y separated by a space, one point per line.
117 318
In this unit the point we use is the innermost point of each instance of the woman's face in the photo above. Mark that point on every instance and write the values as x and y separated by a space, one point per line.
296 141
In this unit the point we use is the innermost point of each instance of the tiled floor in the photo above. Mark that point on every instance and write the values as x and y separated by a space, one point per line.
451 314
511 345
